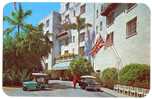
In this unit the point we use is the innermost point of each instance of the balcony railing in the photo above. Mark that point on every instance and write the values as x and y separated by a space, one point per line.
106 8
65 57
62 34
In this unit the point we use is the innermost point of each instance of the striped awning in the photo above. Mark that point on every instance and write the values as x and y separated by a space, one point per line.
61 66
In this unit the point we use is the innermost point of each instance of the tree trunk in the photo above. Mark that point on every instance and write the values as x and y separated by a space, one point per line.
18 30
79 43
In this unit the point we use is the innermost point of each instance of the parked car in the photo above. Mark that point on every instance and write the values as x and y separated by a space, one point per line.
89 83
39 81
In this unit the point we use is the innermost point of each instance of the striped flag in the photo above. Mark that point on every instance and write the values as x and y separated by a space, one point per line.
98 45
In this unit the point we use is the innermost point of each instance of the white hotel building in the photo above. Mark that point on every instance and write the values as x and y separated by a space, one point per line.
127 24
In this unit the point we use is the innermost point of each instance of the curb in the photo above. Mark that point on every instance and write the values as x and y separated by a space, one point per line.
112 92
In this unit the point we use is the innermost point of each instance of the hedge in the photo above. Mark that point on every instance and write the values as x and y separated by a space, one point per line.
137 75
109 77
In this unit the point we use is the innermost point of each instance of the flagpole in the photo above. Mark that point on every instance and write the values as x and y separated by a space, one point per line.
93 31
120 61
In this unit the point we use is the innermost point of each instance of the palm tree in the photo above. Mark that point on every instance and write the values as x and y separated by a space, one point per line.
78 25
16 20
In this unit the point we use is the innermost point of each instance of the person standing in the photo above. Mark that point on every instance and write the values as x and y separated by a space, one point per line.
76 79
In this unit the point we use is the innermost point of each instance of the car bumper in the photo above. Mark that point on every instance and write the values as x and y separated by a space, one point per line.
92 88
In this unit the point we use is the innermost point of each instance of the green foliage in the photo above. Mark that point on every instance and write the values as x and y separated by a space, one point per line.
80 66
134 74
55 74
17 20
109 77
97 75
23 53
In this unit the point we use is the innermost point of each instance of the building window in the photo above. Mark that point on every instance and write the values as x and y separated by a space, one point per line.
82 9
109 39
98 71
97 13
96 29
47 31
66 52
100 25
110 18
59 52
46 66
66 41
82 53
67 6
130 5
131 28
101 9
73 50
73 39
67 18
82 37
47 23
74 13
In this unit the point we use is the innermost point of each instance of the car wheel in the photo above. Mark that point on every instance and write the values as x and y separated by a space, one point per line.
83 87
24 88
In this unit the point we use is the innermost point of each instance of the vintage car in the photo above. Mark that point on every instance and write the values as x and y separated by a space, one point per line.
89 83
39 81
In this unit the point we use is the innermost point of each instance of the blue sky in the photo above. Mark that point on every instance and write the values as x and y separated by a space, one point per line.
39 11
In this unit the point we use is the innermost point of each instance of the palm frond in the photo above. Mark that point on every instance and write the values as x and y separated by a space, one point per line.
9 20
9 30
27 13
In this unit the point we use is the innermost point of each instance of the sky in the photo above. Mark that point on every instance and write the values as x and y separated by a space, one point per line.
39 11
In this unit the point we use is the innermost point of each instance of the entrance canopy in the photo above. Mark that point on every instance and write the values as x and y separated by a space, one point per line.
61 66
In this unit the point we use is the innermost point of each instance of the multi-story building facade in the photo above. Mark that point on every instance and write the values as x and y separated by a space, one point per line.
52 25
127 26
68 39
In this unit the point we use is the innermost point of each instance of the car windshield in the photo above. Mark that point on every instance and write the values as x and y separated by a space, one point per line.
91 81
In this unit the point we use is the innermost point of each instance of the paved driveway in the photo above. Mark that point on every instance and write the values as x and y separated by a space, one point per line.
57 89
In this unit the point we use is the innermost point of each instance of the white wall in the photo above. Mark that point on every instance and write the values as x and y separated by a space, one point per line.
135 49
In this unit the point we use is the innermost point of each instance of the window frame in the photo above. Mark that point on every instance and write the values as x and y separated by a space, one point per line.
82 8
97 12
66 51
82 38
82 52
73 39
67 5
110 19
108 44
74 13
101 24
47 23
131 30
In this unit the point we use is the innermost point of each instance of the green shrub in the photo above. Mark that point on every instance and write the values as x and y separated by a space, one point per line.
109 77
81 66
97 75
53 74
135 75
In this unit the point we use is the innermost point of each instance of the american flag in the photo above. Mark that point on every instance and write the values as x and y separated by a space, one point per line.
98 45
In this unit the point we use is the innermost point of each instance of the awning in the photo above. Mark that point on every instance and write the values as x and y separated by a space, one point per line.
61 66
